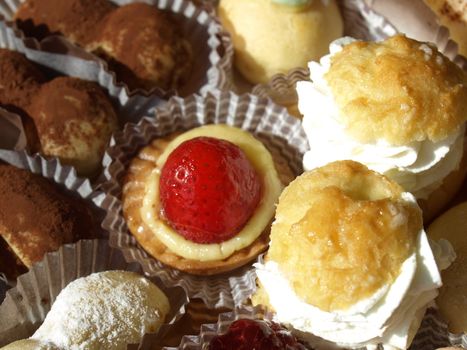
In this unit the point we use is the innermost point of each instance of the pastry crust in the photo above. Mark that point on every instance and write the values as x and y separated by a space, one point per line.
399 90
132 196
341 233
453 15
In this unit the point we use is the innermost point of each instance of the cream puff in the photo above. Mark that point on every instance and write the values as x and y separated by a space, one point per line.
74 120
398 106
275 36
202 201
105 310
36 217
452 303
349 261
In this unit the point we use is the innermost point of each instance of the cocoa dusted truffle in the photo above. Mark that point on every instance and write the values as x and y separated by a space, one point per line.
75 19
145 47
74 120
36 217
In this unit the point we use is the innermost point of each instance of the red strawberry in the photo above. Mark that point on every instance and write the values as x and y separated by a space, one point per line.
208 190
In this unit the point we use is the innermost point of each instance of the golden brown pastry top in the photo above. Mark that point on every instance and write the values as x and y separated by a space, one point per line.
145 47
400 90
75 19
74 120
341 233
36 217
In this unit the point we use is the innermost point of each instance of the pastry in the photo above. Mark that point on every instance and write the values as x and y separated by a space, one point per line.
105 310
275 36
245 334
29 344
452 302
74 120
210 211
36 218
453 15
77 20
398 106
348 261
145 47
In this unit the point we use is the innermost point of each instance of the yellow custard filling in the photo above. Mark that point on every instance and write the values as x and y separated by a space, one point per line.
263 163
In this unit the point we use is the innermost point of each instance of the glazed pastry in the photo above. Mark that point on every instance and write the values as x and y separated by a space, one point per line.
275 36
144 46
453 15
202 201
452 303
105 310
20 79
75 19
74 120
348 261
398 106
36 218
247 334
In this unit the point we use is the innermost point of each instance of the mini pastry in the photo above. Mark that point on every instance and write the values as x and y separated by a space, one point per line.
74 120
247 334
36 218
452 302
75 19
105 310
145 47
398 106
453 15
202 201
275 36
349 261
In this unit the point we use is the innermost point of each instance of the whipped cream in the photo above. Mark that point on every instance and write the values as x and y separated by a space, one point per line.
419 167
389 317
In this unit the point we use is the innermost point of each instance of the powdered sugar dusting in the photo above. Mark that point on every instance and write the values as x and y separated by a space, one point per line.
105 310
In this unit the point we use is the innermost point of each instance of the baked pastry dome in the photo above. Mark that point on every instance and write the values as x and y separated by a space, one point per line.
74 120
36 217
271 38
75 19
105 310
348 260
144 46
451 302
141 205
398 106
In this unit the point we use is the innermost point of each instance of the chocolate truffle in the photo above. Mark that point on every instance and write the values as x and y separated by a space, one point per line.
75 19
74 120
36 217
145 47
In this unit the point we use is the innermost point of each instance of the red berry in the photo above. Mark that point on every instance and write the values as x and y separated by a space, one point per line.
255 335
208 190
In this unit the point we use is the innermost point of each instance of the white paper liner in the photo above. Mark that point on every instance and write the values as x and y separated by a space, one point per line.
418 21
212 46
26 305
360 22
270 123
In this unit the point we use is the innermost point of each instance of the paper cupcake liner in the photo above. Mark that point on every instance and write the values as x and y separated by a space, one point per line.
209 331
268 122
212 47
359 22
418 21
26 306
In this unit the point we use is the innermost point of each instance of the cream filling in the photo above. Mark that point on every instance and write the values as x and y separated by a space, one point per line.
262 161
419 167
386 317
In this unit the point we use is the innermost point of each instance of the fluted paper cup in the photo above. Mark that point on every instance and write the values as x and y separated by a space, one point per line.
280 133
26 306
212 47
